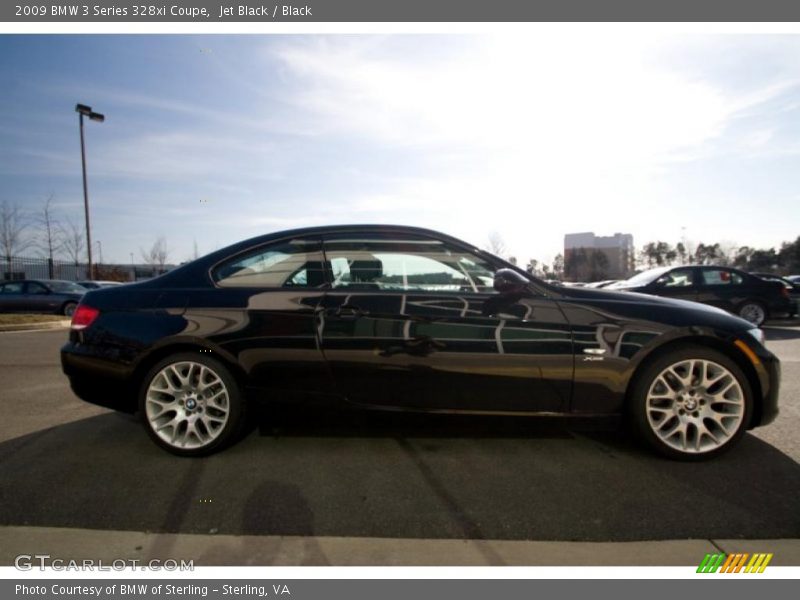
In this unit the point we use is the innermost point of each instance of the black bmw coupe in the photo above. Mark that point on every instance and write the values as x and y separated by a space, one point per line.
400 318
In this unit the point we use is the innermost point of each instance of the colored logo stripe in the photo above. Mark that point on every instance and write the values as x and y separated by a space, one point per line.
734 563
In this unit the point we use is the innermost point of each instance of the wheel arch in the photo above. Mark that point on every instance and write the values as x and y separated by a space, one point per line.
712 343
177 346
62 307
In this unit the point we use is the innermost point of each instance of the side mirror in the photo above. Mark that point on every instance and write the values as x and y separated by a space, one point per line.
508 281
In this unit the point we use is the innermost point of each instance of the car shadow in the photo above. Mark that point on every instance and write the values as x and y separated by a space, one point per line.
781 333
398 476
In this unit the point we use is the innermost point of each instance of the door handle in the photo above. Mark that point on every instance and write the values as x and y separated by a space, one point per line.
349 311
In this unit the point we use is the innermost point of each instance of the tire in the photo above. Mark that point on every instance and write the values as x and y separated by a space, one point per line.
693 403
191 405
753 311
68 308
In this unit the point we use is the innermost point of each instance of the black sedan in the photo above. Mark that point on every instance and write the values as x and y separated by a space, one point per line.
399 318
40 296
746 295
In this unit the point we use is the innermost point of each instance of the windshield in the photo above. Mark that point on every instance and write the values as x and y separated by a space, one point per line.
642 278
66 287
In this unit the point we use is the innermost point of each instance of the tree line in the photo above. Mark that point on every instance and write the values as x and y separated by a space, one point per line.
47 233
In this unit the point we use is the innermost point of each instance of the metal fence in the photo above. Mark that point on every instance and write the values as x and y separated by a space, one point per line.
28 267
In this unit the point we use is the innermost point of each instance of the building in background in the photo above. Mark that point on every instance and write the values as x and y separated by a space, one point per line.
588 257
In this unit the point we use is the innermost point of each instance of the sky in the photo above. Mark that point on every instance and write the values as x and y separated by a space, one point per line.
532 135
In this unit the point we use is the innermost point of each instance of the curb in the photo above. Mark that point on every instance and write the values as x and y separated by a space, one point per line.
60 324
232 550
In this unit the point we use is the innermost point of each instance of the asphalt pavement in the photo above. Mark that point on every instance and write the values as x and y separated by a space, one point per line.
304 474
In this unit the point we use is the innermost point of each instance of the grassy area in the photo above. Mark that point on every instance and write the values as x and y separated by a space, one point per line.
19 319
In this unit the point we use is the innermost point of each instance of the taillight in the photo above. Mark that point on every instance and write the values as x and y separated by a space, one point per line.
83 316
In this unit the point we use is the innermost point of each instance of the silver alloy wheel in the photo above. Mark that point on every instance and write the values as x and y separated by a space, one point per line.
753 312
187 405
695 406
69 309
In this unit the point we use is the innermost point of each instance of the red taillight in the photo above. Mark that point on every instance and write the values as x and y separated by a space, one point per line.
83 316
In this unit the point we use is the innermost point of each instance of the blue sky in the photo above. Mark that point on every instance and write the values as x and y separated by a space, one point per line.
217 138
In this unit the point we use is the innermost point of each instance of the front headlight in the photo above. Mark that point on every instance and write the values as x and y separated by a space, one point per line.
758 334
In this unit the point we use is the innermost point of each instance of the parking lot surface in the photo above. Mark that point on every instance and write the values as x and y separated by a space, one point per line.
64 463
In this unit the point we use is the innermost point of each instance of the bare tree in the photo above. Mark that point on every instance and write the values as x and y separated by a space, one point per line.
157 255
47 240
72 241
12 232
496 245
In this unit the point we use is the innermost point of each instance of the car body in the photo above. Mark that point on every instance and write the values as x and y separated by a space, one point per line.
793 278
400 318
94 285
793 287
601 284
724 287
40 296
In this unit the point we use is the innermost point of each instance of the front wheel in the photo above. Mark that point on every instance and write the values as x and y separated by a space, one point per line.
691 404
191 405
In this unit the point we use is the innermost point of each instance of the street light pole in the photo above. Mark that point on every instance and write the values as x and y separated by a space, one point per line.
82 110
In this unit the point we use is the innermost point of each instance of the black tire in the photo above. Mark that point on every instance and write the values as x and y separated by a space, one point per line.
646 378
753 311
226 435
68 308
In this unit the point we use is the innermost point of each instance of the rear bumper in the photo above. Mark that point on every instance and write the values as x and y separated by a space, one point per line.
98 380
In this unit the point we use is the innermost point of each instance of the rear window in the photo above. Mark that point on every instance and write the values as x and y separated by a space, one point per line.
721 277
66 287
294 263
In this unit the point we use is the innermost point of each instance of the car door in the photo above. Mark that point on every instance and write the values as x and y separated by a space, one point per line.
679 283
11 296
413 322
723 288
263 311
38 298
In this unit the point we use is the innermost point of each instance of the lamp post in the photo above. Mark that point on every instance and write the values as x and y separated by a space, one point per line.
82 111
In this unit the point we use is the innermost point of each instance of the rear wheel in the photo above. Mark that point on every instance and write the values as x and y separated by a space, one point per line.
191 405
69 308
754 312
691 404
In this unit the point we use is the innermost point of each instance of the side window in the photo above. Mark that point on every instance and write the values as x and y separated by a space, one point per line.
36 288
287 264
676 278
721 277
406 264
12 288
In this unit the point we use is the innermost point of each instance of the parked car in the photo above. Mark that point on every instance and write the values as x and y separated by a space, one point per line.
733 290
95 285
400 318
40 296
793 278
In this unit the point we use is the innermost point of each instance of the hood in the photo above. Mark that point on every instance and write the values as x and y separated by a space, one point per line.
703 313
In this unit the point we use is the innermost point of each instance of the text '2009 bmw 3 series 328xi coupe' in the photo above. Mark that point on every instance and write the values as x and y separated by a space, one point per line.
401 318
